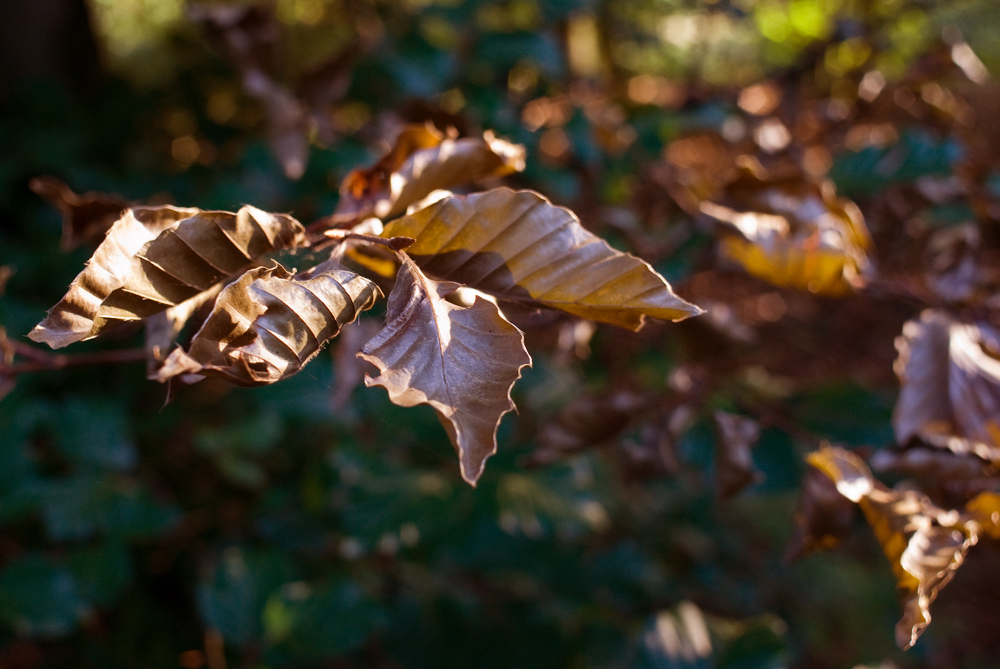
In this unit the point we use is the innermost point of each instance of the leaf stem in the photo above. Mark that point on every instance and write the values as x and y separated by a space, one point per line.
41 361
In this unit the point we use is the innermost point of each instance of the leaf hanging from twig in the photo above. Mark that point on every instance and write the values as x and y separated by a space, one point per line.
156 257
461 361
949 373
518 246
924 544
266 326
424 160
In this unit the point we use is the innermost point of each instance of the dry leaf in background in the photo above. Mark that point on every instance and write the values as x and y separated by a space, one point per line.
267 325
823 517
924 544
949 375
86 217
421 161
587 421
792 231
461 361
156 257
733 462
518 246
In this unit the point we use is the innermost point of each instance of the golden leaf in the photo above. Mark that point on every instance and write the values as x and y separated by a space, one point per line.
518 246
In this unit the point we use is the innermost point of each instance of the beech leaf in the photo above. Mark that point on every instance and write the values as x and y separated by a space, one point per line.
518 246
156 257
822 519
924 544
86 217
267 325
421 161
461 361
949 373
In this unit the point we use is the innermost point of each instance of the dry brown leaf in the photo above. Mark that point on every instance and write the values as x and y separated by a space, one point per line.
266 326
985 510
461 361
924 544
421 161
792 231
156 257
949 374
733 461
823 517
349 369
86 217
163 328
518 246
587 421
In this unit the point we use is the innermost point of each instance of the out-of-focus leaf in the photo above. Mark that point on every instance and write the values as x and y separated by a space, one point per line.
101 572
924 544
250 36
949 373
267 325
86 217
79 507
792 231
39 597
349 369
953 272
587 421
733 462
461 361
518 246
424 160
233 600
823 517
156 257
985 510
700 165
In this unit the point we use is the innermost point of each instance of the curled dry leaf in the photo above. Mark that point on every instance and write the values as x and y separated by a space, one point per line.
461 361
924 544
518 246
792 231
157 257
86 217
698 167
733 461
162 329
421 161
266 326
949 374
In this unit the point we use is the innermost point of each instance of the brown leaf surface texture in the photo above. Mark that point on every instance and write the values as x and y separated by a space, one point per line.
266 326
156 257
949 373
461 361
924 544
421 161
518 246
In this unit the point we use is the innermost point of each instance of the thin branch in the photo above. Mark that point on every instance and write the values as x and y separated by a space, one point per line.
45 362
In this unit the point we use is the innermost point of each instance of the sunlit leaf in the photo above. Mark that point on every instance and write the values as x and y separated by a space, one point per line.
924 544
267 325
461 361
421 161
156 257
518 246
792 232
734 468
949 374
86 217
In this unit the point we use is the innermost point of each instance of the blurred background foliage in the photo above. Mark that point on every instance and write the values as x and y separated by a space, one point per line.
306 525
